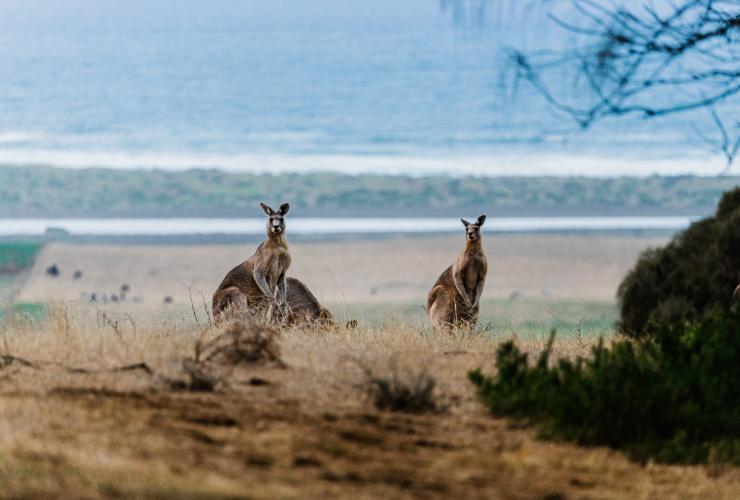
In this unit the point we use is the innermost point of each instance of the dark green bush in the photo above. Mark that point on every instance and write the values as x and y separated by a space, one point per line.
694 275
672 398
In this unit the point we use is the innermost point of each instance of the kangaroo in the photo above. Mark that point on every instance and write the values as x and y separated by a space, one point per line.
258 284
454 300
304 307
736 295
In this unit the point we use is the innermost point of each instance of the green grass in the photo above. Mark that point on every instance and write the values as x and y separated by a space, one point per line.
17 256
528 318
26 311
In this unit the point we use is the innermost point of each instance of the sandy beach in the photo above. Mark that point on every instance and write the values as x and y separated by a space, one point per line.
537 267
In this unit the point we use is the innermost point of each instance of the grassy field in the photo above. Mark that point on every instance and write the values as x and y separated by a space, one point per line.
98 399
535 283
502 317
401 270
72 424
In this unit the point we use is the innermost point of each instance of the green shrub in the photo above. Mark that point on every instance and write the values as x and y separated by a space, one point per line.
694 275
672 398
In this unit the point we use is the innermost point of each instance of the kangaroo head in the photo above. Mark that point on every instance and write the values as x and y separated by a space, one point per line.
275 220
472 229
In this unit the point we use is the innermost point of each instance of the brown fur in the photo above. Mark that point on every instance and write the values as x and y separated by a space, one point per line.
240 290
304 307
446 306
736 295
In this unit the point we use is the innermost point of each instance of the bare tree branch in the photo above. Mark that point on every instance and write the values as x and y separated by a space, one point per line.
649 62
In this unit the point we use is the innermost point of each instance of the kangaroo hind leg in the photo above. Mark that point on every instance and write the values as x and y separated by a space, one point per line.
439 309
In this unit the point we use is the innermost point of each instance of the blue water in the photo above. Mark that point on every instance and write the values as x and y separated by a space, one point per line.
344 85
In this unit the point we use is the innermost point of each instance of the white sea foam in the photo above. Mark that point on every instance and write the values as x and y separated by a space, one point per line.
499 165
253 226
17 137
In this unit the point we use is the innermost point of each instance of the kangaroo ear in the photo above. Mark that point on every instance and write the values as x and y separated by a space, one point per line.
481 220
284 209
465 223
266 209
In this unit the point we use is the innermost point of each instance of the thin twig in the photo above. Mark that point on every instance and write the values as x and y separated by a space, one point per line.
111 323
133 323
205 308
8 359
192 304
633 55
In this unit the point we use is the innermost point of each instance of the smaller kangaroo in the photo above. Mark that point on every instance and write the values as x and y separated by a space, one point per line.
454 300
304 307
258 284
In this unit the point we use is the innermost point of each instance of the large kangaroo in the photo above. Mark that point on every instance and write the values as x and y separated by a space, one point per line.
454 300
258 284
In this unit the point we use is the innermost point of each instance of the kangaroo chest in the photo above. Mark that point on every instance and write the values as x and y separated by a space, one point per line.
272 261
279 264
473 270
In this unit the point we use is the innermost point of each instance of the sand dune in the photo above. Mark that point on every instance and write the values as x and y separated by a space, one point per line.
391 270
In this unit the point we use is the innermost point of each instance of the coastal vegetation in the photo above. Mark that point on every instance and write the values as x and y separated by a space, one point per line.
667 393
693 275
670 398
45 191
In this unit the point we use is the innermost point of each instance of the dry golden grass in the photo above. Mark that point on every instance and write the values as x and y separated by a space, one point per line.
305 431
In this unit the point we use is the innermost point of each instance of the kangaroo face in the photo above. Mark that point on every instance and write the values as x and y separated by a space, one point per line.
275 219
276 223
472 229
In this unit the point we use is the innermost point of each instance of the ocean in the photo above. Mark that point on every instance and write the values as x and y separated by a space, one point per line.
412 86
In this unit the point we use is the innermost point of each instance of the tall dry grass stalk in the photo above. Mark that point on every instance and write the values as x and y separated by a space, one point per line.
98 338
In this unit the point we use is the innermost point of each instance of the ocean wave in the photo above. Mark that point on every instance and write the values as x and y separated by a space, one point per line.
13 137
449 165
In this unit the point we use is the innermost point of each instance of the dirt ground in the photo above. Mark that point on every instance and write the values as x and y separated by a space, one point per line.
309 429
72 426
550 267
